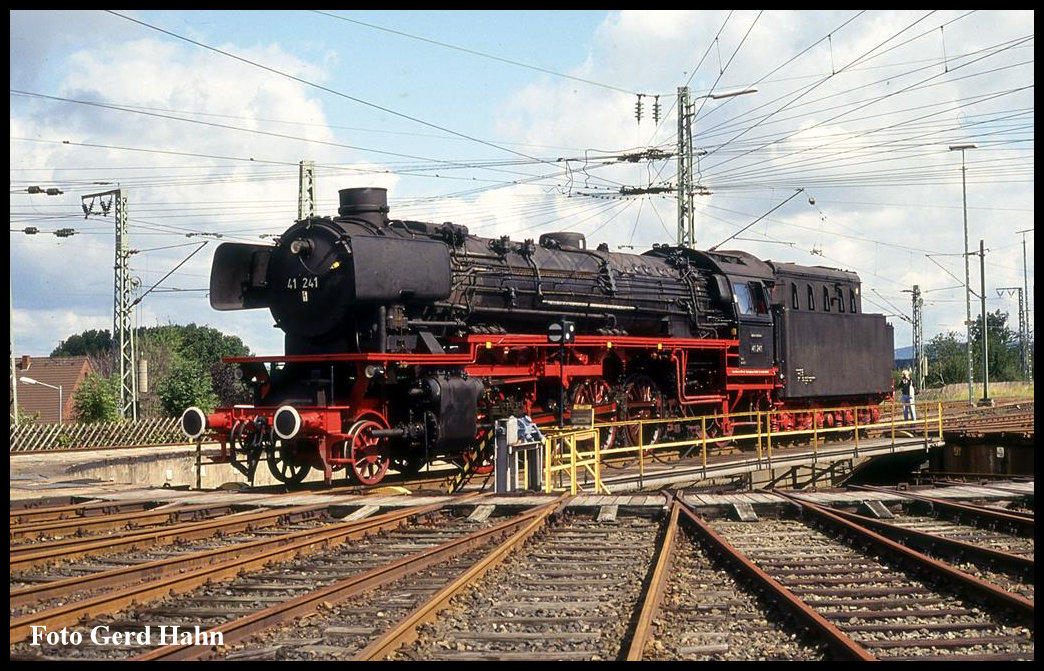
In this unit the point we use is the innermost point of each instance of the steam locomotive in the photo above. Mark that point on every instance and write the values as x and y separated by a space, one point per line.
405 340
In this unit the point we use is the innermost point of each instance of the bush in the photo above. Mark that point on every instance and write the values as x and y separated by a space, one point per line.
97 400
188 384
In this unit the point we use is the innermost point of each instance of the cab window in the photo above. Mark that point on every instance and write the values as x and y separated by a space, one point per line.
758 295
744 302
750 298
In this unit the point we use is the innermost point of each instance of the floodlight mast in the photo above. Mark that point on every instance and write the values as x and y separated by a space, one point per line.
967 273
686 185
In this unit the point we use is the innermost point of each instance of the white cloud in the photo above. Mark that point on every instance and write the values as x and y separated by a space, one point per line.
900 195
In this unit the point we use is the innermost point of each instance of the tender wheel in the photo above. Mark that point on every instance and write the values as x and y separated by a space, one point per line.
644 401
286 465
370 456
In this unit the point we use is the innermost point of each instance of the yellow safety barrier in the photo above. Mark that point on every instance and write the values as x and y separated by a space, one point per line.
569 459
564 459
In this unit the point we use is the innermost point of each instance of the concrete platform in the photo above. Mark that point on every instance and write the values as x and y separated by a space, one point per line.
132 474
168 474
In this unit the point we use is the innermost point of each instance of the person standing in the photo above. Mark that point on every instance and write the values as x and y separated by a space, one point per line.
906 394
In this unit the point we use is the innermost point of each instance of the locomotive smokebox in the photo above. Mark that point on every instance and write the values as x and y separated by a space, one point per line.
370 205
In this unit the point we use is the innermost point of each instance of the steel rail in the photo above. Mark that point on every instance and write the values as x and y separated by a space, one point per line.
657 586
1020 605
406 629
114 601
154 570
250 625
59 547
844 646
1022 525
134 520
25 557
1001 560
838 641
74 511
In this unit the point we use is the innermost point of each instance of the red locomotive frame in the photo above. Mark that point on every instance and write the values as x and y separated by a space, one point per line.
342 431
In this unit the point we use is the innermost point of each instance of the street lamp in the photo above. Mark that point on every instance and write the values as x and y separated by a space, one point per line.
29 380
967 270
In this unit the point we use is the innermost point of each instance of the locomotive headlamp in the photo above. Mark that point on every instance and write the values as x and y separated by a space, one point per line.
373 371
193 422
286 422
301 247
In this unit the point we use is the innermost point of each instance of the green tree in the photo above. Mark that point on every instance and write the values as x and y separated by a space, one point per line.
946 360
25 417
1003 347
97 400
947 354
172 346
96 345
188 384
88 343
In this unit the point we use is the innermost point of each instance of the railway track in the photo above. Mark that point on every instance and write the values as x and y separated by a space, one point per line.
230 583
26 557
1001 559
556 583
885 601
98 525
568 594
41 588
699 608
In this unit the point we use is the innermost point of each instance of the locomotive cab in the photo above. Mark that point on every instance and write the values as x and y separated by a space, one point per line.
745 283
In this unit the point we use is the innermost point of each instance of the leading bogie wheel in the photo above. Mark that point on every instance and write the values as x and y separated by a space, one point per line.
285 465
370 455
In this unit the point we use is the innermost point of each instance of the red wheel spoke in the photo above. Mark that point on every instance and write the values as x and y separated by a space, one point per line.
370 456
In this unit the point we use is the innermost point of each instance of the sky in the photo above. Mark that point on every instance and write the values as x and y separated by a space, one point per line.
519 123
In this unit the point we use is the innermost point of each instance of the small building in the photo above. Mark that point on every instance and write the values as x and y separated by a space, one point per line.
41 400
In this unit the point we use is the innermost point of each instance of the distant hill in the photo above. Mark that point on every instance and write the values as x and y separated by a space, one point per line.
903 357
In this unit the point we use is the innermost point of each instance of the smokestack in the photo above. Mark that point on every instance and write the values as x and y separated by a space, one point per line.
370 205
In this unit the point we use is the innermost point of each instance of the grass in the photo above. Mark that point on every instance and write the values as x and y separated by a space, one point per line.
958 392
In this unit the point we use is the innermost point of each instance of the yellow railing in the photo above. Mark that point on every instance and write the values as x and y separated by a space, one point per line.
568 459
563 459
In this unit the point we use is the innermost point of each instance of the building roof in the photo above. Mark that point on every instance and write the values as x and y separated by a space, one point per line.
67 372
